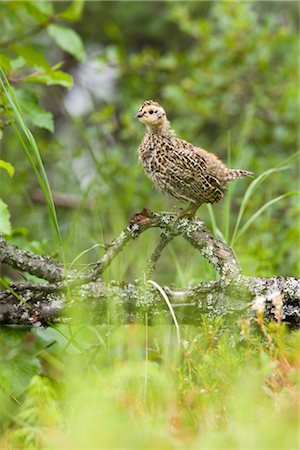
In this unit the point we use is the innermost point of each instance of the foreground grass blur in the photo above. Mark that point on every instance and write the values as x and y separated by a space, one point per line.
131 387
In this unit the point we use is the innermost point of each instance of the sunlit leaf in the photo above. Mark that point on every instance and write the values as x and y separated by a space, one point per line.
5 62
74 11
39 10
37 115
17 63
52 77
8 167
68 40
31 55
5 225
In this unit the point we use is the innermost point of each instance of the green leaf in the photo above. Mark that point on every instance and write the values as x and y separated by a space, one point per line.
68 40
51 77
39 10
36 115
5 225
12 337
73 12
16 374
8 167
43 7
31 55
17 63
5 62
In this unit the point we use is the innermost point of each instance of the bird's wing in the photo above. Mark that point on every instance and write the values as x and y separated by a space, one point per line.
194 166
192 169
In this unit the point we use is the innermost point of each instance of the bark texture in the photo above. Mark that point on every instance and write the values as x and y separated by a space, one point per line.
60 293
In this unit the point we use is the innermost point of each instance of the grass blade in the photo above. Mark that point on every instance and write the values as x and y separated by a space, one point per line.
249 192
32 152
261 210
216 231
165 297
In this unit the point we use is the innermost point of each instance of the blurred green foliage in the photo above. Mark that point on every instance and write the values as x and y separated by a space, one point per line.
129 387
226 73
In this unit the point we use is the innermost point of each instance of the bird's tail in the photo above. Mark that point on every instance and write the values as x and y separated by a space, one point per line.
235 174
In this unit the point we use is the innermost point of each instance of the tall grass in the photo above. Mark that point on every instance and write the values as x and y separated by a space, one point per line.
237 233
239 228
124 387
31 150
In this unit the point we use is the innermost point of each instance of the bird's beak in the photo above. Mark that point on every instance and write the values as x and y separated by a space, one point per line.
138 115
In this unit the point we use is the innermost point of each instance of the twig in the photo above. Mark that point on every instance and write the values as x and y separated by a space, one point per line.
232 293
40 266
165 238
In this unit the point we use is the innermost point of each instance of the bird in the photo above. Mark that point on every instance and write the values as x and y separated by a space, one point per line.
179 168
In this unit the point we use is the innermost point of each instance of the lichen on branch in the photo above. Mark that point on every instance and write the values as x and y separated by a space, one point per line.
39 304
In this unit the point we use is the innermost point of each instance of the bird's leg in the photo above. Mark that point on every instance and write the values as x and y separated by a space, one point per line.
190 211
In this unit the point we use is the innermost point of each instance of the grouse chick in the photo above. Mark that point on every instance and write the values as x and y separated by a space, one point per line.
179 168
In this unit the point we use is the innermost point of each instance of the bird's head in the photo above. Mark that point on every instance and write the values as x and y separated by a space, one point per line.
152 115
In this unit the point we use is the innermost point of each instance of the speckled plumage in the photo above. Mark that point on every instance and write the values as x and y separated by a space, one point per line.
179 168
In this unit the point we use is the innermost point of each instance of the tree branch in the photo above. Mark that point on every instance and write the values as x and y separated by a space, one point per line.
132 301
25 261
40 304
165 238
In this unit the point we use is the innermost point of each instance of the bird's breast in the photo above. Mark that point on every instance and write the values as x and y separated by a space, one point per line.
152 151
153 154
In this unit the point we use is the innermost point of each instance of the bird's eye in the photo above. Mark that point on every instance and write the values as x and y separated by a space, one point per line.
151 111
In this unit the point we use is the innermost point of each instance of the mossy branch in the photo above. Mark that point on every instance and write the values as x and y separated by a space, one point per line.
39 303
